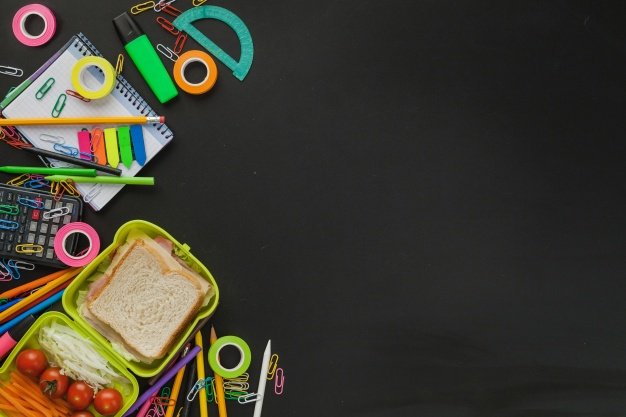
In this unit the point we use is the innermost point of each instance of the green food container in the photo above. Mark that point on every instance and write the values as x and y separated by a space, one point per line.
82 281
30 341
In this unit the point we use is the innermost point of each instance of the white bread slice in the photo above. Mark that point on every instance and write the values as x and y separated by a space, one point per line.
147 299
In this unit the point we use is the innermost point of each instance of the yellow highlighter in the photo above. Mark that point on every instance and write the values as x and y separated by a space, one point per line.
204 411
110 142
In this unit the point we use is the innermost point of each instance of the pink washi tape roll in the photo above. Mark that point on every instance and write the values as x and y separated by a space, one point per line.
19 24
85 257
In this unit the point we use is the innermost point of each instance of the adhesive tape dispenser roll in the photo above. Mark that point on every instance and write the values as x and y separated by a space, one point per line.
244 361
195 56
89 254
78 72
19 25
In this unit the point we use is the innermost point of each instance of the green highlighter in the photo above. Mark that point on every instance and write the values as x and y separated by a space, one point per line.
145 57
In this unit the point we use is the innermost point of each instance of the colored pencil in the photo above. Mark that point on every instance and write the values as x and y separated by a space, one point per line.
109 120
83 172
219 383
204 410
36 309
176 389
103 179
34 284
39 293
70 159
35 302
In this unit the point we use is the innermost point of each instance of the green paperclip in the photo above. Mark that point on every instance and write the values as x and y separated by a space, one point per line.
208 389
59 105
9 209
44 88
233 395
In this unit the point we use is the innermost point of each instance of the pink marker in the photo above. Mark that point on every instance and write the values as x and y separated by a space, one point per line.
12 336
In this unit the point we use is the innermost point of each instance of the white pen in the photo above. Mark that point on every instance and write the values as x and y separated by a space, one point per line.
258 405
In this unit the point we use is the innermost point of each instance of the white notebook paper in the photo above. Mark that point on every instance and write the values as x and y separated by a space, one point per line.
123 101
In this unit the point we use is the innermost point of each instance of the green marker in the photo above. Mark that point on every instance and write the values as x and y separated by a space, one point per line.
83 172
145 57
103 179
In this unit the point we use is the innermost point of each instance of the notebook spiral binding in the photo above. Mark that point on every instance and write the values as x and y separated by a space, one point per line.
86 47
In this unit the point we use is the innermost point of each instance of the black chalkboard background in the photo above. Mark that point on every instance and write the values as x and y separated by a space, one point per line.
420 202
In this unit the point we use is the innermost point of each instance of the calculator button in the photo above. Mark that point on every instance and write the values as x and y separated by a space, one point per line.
43 228
22 219
9 196
32 227
35 215
39 254
70 206
11 236
53 229
58 204
18 239
8 247
2 235
47 205
30 238
50 253
22 228
41 240
67 219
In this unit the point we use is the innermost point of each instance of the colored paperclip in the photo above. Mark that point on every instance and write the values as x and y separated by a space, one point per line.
57 212
167 25
171 10
51 138
27 266
279 382
142 7
28 248
241 378
17 181
191 395
171 55
9 225
15 273
9 209
119 66
15 72
93 193
44 88
65 149
59 105
69 187
233 395
272 366
5 273
198 2
76 95
37 183
209 389
249 398
180 42
28 202
161 4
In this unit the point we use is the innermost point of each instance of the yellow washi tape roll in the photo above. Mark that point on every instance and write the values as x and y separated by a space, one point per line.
93 61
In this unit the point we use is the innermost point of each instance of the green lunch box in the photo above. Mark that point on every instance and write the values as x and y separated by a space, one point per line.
30 340
81 282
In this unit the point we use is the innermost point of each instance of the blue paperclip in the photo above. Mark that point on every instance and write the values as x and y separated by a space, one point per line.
11 268
37 183
9 225
65 149
92 157
30 203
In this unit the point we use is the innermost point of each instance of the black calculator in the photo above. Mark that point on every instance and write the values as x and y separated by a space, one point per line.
29 220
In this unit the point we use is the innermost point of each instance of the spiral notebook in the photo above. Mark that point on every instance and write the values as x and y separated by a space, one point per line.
123 101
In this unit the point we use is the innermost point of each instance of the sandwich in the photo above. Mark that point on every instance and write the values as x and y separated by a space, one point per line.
145 299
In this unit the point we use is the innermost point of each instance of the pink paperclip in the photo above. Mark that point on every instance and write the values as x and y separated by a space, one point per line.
278 386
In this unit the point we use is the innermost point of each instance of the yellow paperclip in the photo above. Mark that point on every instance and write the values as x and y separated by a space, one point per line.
198 2
272 367
241 378
17 181
69 188
28 248
119 66
142 7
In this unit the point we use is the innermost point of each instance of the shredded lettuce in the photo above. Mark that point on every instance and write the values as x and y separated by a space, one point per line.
78 357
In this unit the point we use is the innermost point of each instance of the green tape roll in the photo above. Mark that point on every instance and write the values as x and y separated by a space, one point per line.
244 361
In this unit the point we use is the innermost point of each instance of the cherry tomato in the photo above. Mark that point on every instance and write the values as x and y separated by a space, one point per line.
53 383
32 362
82 413
79 395
108 401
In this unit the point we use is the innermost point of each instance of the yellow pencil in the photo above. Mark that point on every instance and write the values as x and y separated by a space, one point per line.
109 120
39 293
176 389
204 410
219 383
